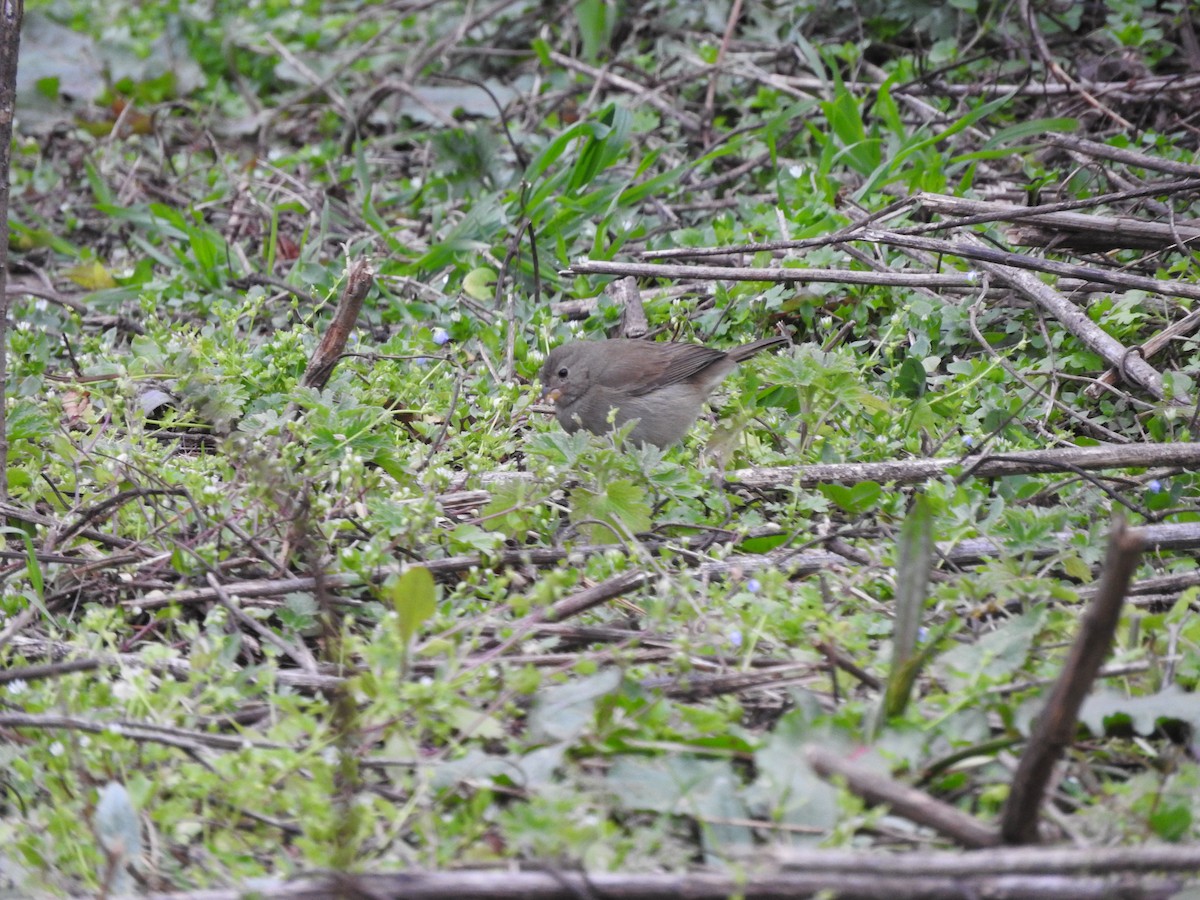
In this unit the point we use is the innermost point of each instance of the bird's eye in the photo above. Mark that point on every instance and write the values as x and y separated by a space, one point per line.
562 373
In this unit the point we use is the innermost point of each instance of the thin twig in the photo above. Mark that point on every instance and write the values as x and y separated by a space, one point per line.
1051 64
774 276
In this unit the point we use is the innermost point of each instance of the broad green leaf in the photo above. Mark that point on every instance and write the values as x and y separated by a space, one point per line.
91 276
527 771
414 597
1171 819
473 723
855 499
706 789
470 538
911 381
995 655
562 712
479 283
1077 568
621 505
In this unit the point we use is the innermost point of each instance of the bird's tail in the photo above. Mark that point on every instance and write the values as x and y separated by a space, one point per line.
737 354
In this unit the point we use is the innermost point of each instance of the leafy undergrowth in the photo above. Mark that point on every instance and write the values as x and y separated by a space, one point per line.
297 626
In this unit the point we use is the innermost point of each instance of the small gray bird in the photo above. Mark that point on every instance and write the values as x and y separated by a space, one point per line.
663 385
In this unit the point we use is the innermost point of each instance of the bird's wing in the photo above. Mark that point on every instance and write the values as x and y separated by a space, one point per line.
660 365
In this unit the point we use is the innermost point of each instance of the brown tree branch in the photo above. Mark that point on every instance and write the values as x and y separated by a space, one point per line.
359 279
1055 728
890 878
902 800
913 471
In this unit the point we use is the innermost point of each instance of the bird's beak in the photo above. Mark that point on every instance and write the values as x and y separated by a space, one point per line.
551 395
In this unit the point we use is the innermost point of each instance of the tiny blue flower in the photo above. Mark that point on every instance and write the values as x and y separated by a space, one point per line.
968 441
753 585
735 637
922 633
1154 485
441 336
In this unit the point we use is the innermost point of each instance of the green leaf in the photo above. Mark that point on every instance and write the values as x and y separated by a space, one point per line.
621 505
893 167
91 276
786 788
513 507
1172 820
479 283
1076 568
564 711
855 499
995 655
912 583
707 789
911 381
471 721
48 87
763 544
28 420
606 144
528 772
1035 128
595 26
32 567
470 538
414 597
208 248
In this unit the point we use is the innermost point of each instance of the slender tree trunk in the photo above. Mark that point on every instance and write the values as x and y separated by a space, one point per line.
11 14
